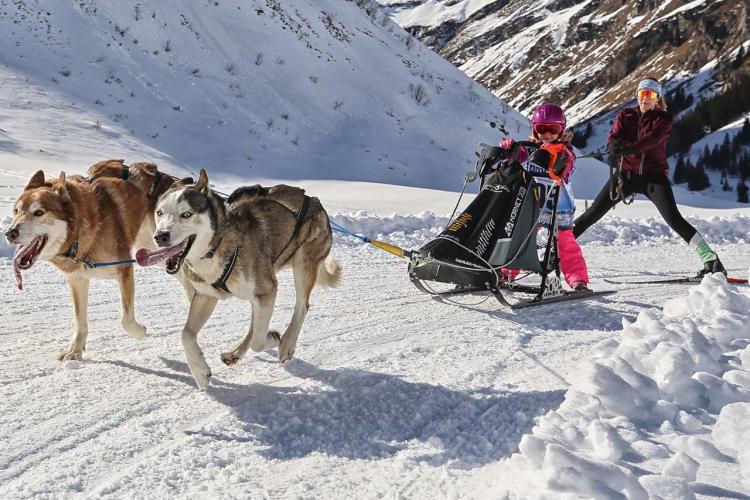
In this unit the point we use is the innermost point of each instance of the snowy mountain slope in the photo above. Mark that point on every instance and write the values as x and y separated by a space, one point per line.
258 89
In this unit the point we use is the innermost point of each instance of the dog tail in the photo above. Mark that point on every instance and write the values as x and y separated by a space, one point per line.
329 273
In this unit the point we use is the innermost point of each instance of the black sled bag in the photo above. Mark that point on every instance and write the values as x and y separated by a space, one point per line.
497 229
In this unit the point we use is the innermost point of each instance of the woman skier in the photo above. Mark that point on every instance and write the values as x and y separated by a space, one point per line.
638 140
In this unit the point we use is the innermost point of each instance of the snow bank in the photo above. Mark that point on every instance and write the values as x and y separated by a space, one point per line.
650 407
412 231
621 231
610 231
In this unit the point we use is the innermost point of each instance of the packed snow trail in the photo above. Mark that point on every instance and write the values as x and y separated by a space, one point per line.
392 392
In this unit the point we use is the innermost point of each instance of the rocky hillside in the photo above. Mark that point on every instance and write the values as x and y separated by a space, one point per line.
586 55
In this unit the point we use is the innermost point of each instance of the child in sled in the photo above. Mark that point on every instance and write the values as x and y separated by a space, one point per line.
548 127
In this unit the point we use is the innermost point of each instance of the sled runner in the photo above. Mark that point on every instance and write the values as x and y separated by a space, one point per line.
672 281
499 230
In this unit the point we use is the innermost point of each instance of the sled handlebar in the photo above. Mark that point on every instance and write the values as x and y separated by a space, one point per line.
485 152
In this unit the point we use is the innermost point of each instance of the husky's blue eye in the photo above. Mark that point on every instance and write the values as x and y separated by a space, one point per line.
38 213
186 215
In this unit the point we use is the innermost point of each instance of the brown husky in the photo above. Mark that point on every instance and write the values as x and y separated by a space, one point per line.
147 178
236 249
78 222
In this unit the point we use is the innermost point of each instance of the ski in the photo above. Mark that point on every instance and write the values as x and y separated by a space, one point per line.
669 281
516 288
584 294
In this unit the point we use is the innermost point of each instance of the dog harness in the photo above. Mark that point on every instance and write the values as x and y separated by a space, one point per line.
221 283
72 252
297 224
154 186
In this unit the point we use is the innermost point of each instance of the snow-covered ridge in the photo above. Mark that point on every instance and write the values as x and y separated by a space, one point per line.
413 231
616 231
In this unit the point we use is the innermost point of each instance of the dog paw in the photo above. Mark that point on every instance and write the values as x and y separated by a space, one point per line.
135 330
286 349
69 355
230 358
202 379
201 373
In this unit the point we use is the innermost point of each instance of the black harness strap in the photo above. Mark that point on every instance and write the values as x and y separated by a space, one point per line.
72 254
297 224
221 283
125 172
72 251
152 189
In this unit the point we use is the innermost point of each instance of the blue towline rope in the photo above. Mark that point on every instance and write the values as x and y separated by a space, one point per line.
340 229
388 247
104 264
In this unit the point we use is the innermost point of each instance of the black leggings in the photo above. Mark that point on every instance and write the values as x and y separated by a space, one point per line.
656 187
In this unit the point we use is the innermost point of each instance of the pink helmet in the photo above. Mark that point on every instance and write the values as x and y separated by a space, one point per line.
548 114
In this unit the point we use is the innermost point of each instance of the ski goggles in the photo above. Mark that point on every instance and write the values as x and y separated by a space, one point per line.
647 94
547 128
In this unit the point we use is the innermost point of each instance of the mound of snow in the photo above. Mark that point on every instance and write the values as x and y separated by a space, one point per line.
649 409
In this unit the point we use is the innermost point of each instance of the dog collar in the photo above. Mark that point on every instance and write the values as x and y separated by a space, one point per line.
72 251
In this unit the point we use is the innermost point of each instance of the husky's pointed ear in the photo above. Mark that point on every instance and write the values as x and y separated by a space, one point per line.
61 189
36 181
185 181
202 184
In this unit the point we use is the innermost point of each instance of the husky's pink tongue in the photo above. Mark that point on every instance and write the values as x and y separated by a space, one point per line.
146 257
24 252
17 271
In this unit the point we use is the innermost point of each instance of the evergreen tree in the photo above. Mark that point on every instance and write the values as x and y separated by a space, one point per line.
744 135
742 192
680 172
698 180
725 152
707 157
743 165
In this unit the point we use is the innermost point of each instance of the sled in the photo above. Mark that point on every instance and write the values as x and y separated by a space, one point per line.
499 230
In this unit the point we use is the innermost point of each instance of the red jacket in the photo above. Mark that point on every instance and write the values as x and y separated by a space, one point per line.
648 133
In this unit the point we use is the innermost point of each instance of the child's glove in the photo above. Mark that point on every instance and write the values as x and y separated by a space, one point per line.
506 144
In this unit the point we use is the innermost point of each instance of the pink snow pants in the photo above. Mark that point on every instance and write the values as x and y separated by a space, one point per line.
572 263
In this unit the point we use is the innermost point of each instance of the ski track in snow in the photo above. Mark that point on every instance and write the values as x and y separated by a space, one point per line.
404 394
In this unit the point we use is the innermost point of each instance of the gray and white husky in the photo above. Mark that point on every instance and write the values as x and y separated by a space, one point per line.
235 249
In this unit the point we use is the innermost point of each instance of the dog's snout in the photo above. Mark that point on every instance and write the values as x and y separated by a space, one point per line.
162 238
11 235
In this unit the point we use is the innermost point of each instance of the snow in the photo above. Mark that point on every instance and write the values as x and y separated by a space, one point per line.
684 8
433 12
197 85
641 394
646 396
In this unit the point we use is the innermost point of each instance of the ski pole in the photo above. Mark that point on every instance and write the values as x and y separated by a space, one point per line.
595 153
397 251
